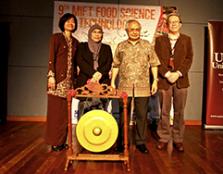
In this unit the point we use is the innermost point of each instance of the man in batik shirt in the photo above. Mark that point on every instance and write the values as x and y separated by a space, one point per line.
132 62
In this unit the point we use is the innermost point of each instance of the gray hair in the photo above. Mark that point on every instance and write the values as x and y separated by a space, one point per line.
131 21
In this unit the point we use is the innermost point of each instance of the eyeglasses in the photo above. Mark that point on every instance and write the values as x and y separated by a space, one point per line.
174 22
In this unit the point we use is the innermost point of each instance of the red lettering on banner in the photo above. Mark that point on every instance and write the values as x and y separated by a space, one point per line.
152 14
105 23
138 13
109 12
82 10
60 10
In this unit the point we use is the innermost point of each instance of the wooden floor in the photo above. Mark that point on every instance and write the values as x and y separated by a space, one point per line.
22 151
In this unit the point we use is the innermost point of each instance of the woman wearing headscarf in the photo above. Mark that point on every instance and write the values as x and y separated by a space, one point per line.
94 58
61 72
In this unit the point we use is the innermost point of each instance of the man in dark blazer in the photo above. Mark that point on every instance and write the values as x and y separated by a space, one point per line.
175 54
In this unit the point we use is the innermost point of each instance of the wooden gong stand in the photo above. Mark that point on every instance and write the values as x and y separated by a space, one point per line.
96 90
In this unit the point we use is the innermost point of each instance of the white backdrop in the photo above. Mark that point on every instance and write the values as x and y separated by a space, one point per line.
112 18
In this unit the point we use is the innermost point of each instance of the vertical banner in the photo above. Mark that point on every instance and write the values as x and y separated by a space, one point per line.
214 83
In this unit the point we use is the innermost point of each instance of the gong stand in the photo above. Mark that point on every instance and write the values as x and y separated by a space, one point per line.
96 90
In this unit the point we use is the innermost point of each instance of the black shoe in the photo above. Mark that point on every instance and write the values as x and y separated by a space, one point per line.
142 148
153 130
59 147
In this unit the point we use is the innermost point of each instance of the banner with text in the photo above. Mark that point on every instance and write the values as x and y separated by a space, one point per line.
214 86
112 18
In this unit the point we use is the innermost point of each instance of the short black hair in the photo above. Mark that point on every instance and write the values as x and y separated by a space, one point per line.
66 17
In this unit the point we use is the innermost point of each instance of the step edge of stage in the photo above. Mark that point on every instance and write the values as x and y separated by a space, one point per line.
42 118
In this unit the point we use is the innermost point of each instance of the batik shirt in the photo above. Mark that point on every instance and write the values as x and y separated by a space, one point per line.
134 62
63 86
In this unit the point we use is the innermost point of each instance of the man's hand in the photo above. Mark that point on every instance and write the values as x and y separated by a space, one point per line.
113 85
154 86
173 77
113 77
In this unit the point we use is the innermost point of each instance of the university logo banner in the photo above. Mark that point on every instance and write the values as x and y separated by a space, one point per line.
214 84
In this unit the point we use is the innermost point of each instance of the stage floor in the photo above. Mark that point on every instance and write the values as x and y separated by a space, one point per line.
22 150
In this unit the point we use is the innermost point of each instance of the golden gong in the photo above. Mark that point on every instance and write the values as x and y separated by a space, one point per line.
97 130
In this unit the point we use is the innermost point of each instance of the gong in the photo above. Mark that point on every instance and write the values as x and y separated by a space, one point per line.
97 130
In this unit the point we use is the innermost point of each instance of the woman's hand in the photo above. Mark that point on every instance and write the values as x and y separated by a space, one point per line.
51 83
96 76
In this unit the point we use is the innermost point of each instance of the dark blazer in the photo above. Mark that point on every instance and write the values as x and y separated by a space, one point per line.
85 63
183 56
58 56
